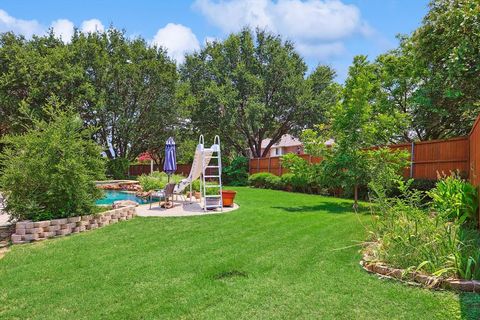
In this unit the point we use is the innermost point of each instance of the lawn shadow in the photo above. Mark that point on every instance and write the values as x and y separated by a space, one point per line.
469 305
335 208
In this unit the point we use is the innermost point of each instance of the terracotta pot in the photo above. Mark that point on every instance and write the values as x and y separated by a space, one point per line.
228 196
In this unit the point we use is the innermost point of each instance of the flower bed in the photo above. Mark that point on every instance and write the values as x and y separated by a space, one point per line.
27 231
411 277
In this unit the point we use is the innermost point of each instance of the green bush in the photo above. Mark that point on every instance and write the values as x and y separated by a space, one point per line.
49 172
236 174
263 180
118 168
454 198
288 181
157 180
273 182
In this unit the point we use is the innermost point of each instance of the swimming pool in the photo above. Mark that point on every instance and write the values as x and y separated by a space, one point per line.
113 195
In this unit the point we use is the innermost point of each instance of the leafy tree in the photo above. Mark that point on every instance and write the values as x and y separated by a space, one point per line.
253 86
49 171
359 121
130 91
236 173
434 74
122 86
32 72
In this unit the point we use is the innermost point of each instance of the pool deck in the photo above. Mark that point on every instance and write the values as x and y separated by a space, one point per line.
180 209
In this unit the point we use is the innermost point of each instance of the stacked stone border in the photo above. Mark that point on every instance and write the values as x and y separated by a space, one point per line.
27 231
428 281
6 231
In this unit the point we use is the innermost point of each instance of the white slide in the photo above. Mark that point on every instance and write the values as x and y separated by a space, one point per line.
196 170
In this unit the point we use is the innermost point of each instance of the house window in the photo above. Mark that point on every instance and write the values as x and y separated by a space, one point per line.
278 151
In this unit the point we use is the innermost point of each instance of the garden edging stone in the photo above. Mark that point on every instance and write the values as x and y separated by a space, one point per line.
27 231
428 281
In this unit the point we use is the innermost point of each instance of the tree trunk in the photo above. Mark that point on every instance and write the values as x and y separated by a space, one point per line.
355 198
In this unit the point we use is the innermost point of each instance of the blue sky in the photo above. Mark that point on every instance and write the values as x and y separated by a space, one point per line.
325 31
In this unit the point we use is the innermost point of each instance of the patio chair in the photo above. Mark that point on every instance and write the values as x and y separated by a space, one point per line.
164 194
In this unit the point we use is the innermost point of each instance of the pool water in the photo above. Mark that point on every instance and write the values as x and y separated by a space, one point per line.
113 195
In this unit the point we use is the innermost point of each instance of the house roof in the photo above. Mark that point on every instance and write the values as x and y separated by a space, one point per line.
286 141
290 141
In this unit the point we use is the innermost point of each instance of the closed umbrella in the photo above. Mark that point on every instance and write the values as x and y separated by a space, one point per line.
170 163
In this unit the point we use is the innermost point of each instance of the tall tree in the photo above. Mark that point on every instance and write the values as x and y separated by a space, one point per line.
253 86
434 75
130 93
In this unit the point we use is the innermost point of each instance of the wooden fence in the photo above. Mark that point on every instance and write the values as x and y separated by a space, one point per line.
139 169
427 158
474 153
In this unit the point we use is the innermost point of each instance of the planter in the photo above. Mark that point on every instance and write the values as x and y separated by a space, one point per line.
228 196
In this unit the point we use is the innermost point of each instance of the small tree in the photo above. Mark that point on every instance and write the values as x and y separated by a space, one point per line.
359 121
49 171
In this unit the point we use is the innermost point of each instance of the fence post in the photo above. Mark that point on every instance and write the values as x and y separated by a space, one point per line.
280 167
258 165
269 160
412 159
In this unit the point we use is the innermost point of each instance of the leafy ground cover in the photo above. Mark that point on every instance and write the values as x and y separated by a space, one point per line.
281 255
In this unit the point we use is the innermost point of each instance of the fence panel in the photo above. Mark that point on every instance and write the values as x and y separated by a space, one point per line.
429 157
474 161
139 169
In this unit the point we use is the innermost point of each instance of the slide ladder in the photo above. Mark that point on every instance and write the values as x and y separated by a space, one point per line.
214 175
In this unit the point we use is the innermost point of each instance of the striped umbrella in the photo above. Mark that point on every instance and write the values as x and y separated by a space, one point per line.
170 163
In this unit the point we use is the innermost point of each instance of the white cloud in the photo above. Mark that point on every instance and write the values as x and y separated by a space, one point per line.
311 19
317 27
19 26
64 29
322 51
177 39
92 25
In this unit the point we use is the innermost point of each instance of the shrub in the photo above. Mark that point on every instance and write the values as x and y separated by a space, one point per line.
263 180
288 181
423 184
273 182
49 172
454 198
410 237
236 174
157 180
306 176
118 168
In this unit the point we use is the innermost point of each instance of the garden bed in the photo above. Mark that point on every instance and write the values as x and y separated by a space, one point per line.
27 231
411 277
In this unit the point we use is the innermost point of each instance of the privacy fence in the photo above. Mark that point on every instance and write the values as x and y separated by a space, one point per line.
426 158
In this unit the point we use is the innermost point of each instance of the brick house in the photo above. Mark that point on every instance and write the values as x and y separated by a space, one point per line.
287 144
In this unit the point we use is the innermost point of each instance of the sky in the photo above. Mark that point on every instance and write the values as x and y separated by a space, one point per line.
327 32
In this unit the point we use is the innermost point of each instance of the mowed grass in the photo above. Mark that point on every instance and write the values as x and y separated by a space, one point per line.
280 256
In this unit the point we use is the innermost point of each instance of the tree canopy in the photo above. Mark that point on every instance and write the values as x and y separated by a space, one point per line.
253 86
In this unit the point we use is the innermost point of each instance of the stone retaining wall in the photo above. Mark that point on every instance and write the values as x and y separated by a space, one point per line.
27 231
6 231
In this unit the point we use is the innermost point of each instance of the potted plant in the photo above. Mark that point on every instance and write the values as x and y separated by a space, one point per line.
228 196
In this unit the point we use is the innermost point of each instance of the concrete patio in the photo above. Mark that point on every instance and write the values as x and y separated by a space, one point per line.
180 209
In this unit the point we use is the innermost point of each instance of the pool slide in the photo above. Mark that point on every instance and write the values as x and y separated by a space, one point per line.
197 167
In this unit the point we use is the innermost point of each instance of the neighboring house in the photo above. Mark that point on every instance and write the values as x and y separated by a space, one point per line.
287 144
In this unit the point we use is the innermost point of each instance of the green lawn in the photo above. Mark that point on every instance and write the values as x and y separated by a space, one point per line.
281 255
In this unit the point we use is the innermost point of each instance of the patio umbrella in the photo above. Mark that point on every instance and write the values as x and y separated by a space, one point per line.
170 163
